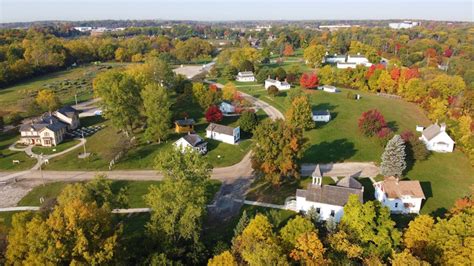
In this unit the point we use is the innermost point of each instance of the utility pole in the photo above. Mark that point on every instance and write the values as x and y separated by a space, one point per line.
75 97
41 168
84 144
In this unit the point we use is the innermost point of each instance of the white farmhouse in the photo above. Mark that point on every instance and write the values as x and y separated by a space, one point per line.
321 116
334 59
223 133
281 85
328 88
327 200
399 196
227 107
246 76
193 142
436 139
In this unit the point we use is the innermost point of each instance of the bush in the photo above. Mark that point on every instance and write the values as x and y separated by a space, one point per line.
213 114
384 135
273 91
419 150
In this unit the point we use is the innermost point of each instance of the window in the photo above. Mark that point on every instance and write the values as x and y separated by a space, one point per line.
318 210
46 134
396 204
333 213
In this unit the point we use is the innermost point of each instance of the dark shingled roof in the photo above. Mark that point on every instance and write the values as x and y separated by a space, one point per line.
221 129
68 111
194 139
349 182
329 194
46 121
321 112
185 122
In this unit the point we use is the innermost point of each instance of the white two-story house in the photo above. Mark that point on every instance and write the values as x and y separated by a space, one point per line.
281 85
400 196
246 76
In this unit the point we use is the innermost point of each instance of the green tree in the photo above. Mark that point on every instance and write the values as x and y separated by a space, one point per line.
224 259
295 228
365 230
314 54
48 100
326 75
248 121
273 90
153 71
258 244
393 158
277 150
206 96
157 106
300 114
121 99
386 83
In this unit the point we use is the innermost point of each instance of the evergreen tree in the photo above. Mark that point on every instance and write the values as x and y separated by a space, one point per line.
243 222
393 158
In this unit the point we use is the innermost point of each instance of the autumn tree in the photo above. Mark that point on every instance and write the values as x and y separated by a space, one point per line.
157 104
393 158
258 244
273 90
386 83
153 71
293 229
224 259
416 237
121 99
309 80
300 114
314 55
288 50
213 114
309 250
206 96
371 122
229 91
277 150
365 230
48 100
405 258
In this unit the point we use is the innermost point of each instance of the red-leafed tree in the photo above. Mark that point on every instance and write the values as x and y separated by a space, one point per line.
409 73
213 114
395 73
407 135
213 87
430 56
309 80
397 47
371 122
448 52
372 69
288 50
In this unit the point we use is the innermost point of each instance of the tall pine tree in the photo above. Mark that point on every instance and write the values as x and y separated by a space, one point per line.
393 158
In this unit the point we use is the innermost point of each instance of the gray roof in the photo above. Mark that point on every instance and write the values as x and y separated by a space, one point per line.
68 111
221 129
321 112
328 194
349 182
194 140
185 122
317 172
245 74
46 121
431 131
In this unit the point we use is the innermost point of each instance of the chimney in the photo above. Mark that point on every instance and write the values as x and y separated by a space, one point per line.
443 127
277 78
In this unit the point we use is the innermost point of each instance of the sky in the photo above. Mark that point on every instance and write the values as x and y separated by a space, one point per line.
218 10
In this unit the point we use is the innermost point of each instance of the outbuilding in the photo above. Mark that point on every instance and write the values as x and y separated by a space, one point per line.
227 134
321 116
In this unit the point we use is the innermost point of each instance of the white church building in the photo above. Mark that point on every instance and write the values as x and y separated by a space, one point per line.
327 200
436 139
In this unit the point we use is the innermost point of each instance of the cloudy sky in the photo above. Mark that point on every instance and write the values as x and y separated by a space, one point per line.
34 10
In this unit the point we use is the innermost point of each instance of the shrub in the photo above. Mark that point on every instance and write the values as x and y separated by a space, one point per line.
273 91
384 135
371 122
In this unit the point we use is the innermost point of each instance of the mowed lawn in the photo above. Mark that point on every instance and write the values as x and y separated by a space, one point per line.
7 156
444 177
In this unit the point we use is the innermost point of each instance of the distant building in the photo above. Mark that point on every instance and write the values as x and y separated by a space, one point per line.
403 25
184 125
83 29
436 139
334 59
327 200
336 27
400 196
328 88
193 142
246 76
321 116
281 85
227 107
223 133
347 61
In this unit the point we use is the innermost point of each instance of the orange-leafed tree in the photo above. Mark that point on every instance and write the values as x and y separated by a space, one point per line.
288 50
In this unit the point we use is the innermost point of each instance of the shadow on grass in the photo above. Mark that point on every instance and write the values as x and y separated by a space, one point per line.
393 125
368 188
324 106
91 120
335 151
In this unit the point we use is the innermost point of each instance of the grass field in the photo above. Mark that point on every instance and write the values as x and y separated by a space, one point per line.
59 148
65 83
7 156
444 177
